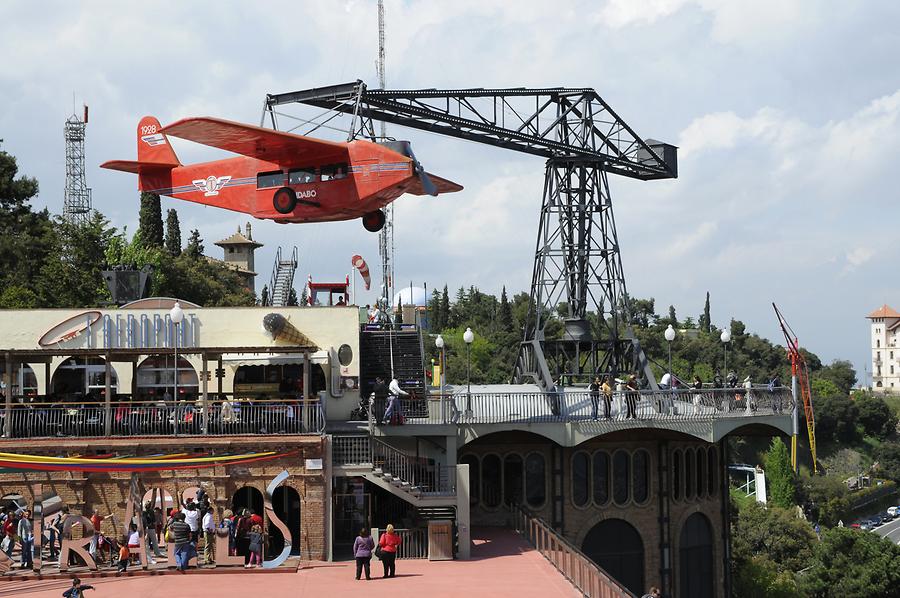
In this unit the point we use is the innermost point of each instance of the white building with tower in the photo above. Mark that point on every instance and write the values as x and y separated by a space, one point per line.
885 322
239 249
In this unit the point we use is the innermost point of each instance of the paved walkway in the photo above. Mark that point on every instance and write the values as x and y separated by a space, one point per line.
502 566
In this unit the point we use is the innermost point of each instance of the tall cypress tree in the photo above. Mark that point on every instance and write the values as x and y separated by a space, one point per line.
150 224
505 316
173 233
782 491
445 307
705 319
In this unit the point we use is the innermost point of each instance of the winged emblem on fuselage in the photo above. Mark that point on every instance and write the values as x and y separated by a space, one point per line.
211 184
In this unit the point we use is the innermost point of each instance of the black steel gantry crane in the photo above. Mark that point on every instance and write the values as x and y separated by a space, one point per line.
577 260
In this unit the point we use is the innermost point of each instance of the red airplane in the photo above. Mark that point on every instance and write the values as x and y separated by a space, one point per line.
280 176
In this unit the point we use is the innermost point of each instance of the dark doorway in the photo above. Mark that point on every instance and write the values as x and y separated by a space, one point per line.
616 546
695 555
286 503
248 497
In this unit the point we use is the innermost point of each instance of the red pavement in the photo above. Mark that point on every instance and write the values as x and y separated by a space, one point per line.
502 565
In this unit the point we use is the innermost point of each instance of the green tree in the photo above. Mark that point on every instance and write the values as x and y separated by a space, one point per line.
836 418
841 373
887 454
194 247
72 275
173 233
505 316
26 237
705 319
876 417
850 563
292 297
673 318
782 489
150 224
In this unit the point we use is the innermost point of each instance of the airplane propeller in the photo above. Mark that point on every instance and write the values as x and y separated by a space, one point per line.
426 181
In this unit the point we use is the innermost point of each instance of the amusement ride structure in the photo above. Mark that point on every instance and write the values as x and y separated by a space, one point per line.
577 261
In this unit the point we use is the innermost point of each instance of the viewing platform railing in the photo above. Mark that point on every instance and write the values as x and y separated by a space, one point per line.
578 406
187 418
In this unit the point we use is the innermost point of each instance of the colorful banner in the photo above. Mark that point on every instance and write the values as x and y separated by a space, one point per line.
16 461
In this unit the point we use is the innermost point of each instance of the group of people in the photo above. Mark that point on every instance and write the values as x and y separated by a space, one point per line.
724 400
17 528
386 550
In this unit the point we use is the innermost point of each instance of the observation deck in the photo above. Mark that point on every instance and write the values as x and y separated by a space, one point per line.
566 416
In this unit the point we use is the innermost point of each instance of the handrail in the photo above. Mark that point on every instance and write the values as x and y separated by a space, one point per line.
578 406
583 573
163 418
429 478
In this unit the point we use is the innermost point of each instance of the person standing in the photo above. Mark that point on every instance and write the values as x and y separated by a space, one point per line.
149 521
775 392
389 542
748 398
380 395
631 397
184 548
10 527
96 521
242 535
393 405
362 552
26 537
255 547
192 518
595 396
209 536
607 397
124 555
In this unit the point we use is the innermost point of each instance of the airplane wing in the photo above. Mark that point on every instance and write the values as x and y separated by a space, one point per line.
137 167
443 186
256 142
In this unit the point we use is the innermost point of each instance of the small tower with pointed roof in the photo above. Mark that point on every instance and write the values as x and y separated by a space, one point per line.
239 249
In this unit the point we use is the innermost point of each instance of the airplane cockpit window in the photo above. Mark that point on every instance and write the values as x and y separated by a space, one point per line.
269 179
333 172
301 176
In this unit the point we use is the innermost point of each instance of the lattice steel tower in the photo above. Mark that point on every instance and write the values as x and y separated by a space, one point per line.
386 235
77 201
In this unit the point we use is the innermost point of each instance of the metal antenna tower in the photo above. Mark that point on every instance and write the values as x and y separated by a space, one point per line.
386 236
77 200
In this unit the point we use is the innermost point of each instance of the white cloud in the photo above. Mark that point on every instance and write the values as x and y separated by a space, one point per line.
856 258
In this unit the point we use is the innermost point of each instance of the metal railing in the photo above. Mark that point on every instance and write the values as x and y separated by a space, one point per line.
413 545
136 418
588 577
418 472
580 405
351 450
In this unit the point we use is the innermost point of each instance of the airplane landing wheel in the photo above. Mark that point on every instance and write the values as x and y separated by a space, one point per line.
284 200
373 221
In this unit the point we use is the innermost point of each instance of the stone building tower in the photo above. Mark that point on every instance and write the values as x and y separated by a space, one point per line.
239 249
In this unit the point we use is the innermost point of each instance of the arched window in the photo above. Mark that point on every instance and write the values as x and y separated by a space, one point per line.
617 547
696 572
701 472
513 479
712 480
535 480
689 481
676 475
580 478
601 477
620 477
640 474
490 481
474 477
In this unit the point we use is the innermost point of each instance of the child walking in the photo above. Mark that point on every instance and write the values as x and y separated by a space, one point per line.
124 555
256 542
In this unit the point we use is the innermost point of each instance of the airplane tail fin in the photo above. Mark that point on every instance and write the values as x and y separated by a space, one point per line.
156 157
152 145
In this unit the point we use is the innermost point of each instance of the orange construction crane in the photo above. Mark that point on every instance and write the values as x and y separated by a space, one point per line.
799 380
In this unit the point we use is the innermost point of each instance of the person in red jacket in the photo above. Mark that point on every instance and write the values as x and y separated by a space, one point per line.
389 542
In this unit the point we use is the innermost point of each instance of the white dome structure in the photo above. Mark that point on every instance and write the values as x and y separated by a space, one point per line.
411 296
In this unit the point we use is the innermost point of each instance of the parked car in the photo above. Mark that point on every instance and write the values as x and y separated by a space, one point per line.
866 525
894 511
887 516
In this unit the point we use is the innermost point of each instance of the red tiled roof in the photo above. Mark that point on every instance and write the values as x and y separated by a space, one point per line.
885 311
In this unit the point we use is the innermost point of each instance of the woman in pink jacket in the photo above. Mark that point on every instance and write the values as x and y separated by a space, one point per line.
389 542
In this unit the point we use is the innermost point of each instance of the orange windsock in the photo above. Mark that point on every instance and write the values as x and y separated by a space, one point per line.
360 264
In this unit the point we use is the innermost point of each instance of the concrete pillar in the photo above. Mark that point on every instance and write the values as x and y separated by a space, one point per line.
463 518
204 375
328 475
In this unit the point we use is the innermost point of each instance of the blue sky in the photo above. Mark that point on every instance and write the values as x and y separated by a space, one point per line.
786 113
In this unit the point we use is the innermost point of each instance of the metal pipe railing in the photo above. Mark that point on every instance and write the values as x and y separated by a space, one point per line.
579 405
418 472
589 578
223 417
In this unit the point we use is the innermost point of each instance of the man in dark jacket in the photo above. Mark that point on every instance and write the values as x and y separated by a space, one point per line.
380 390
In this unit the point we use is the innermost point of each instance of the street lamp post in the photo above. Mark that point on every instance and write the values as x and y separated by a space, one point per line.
176 314
439 343
468 336
725 338
670 336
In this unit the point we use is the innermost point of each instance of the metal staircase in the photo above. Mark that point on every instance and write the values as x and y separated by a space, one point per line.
282 280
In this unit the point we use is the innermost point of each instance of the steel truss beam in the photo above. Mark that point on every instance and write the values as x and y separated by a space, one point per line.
577 262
